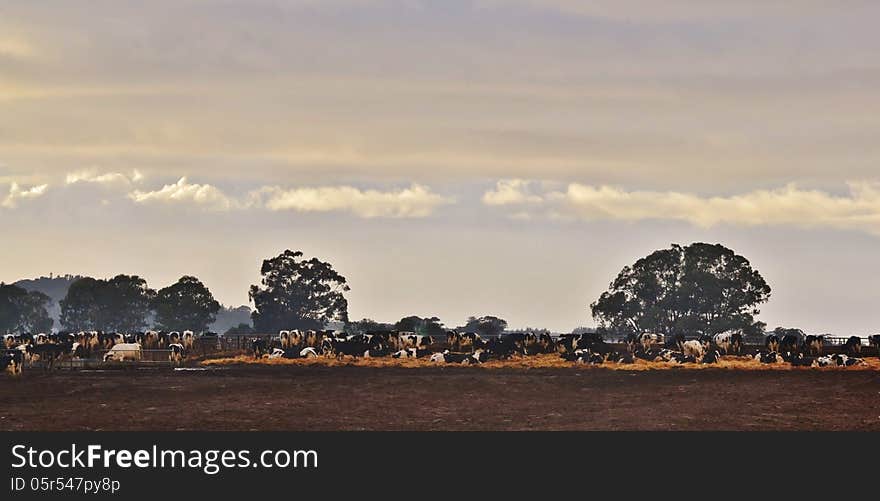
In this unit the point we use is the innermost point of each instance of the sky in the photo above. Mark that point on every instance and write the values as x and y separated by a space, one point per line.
450 158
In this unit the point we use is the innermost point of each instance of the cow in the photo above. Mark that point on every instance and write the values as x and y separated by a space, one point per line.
79 351
711 357
683 358
470 341
813 344
694 348
853 345
150 340
258 347
771 357
590 358
837 360
48 352
874 340
666 355
771 342
502 347
175 353
308 352
649 355
124 351
275 353
284 337
674 342
567 343
411 340
12 361
356 346
188 339
620 358
649 339
546 343
789 342
728 342
9 341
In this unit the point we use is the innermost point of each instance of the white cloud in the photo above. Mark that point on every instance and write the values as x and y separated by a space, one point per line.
18 193
789 205
415 201
106 179
511 191
183 192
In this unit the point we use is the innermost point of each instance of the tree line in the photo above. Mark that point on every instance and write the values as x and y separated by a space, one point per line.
294 293
691 290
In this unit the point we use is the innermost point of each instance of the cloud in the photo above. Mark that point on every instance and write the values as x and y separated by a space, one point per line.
786 206
511 191
183 192
413 202
18 193
106 179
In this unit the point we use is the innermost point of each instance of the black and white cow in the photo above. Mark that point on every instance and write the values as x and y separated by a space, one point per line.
411 340
711 357
789 342
837 360
48 352
729 342
11 362
694 348
771 342
874 341
647 340
770 357
567 343
259 347
814 344
175 353
853 345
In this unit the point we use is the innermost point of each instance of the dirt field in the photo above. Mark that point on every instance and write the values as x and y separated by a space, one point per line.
344 397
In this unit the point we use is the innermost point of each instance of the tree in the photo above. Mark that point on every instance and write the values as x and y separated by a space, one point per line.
366 325
698 289
185 305
129 303
427 326
298 294
81 307
22 311
487 326
120 304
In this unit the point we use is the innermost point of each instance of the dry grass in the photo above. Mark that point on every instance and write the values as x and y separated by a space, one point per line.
534 362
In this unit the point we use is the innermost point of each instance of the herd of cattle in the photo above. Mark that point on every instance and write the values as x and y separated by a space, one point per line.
49 348
589 348
456 348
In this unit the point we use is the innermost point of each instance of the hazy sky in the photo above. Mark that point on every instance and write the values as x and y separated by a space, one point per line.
450 157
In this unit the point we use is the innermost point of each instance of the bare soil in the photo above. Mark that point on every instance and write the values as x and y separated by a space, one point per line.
349 397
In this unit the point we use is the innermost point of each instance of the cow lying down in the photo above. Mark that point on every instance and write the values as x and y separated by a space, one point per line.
477 357
293 353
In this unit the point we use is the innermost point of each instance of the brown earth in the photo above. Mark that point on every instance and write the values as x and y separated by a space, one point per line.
346 397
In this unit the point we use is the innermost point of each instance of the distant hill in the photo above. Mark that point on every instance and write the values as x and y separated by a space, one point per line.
53 286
